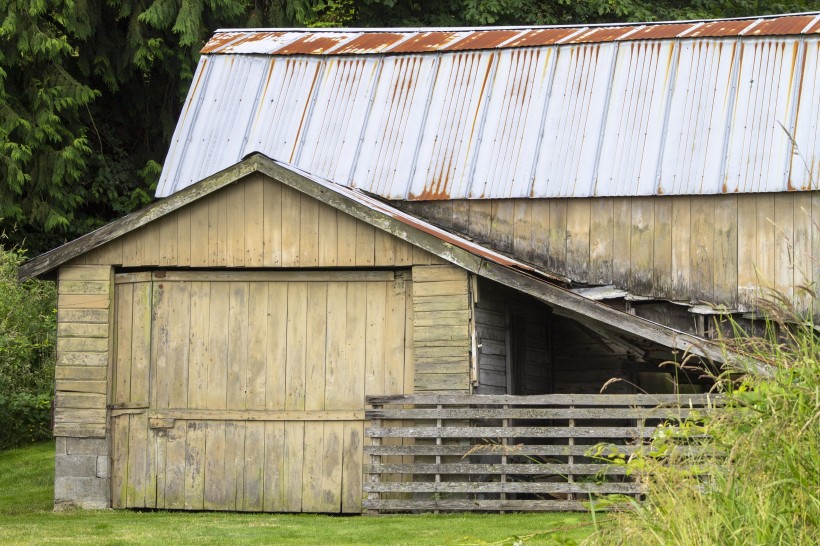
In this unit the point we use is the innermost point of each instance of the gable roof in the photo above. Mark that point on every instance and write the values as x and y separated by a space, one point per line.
703 107
457 250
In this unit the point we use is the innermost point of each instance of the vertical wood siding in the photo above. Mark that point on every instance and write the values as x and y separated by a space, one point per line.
258 222
725 249
83 342
257 386
441 329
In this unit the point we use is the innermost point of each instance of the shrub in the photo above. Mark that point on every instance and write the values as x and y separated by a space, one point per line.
25 419
27 335
755 479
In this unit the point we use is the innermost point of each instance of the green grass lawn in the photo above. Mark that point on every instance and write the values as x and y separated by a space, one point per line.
26 477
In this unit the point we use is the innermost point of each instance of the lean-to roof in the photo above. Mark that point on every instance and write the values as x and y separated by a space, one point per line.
702 107
473 257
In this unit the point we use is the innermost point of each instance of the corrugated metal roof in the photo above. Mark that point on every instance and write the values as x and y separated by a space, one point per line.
677 108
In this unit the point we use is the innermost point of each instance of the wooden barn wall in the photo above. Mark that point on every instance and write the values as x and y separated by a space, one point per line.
258 222
583 364
719 249
83 349
442 336
511 327
492 343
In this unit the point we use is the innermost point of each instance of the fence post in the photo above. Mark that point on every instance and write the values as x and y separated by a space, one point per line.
375 462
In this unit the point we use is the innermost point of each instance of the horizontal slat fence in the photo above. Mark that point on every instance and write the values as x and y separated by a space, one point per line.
508 453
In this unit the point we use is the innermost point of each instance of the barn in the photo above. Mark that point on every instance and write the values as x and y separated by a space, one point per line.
473 230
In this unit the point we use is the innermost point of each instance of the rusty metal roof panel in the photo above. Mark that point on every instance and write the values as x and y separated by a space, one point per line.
509 135
781 26
390 139
370 42
544 36
485 39
447 142
425 42
491 118
259 43
601 34
714 29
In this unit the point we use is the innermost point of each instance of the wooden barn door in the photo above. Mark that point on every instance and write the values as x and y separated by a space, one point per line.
245 391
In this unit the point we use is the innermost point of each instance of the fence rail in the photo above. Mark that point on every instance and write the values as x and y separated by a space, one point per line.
502 452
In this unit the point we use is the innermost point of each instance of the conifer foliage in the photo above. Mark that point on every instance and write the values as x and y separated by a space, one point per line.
90 89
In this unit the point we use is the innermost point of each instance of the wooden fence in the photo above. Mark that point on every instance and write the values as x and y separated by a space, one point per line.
500 453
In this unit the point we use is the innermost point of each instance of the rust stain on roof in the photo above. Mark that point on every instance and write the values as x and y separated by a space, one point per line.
660 32
219 40
428 41
351 42
601 34
370 42
312 44
485 39
716 29
781 26
543 36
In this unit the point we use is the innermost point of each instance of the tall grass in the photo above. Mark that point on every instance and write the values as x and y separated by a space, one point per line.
754 477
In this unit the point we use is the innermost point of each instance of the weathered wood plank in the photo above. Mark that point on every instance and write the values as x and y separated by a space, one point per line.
254 221
197 458
294 440
725 250
93 416
65 385
296 348
502 487
80 400
81 373
81 329
494 449
480 505
509 432
532 413
237 364
351 490
275 276
83 301
578 239
272 224
601 240
540 469
275 479
579 400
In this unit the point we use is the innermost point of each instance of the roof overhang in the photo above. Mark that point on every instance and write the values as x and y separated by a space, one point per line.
475 258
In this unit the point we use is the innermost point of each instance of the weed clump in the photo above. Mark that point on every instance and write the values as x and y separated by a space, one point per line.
748 473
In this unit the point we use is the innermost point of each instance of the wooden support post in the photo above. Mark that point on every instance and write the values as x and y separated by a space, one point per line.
438 456
505 443
571 458
375 460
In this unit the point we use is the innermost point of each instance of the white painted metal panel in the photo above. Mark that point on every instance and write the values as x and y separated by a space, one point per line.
693 146
447 140
804 158
575 113
630 147
758 143
282 112
712 112
337 117
510 135
390 139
